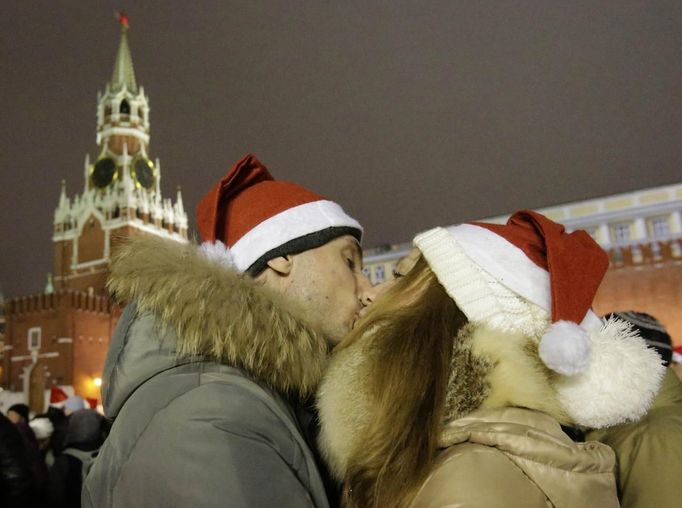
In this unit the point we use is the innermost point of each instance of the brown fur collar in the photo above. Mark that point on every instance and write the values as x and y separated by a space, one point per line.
489 369
219 314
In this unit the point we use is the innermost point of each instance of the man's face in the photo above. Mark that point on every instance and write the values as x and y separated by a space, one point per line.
330 286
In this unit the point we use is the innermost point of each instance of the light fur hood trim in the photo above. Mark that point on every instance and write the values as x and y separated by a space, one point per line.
489 369
219 314
493 369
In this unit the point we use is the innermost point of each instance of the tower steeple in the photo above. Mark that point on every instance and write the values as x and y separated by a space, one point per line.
124 73
122 192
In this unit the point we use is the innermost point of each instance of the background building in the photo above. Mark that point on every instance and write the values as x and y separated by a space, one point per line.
641 232
61 336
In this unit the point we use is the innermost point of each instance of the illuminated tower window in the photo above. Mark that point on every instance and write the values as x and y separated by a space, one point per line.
125 107
34 338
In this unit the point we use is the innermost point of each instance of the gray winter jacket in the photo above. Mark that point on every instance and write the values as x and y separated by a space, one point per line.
194 380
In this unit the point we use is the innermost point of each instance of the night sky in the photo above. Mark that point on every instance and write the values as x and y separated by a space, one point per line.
410 114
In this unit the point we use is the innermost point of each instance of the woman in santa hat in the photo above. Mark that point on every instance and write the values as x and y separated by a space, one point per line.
452 389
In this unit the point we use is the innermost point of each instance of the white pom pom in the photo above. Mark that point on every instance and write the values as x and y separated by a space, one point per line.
565 348
218 252
621 380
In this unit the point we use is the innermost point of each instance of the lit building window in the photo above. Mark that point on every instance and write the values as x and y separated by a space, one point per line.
676 249
622 232
637 255
380 273
659 227
656 251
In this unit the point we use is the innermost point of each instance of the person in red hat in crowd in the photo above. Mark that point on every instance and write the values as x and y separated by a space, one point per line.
208 373
55 413
649 451
452 388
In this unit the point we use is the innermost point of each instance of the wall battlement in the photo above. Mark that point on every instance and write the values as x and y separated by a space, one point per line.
78 300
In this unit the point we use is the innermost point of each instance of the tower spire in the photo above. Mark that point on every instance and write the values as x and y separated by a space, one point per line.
124 74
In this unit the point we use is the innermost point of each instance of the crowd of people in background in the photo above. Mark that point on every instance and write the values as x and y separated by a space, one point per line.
44 458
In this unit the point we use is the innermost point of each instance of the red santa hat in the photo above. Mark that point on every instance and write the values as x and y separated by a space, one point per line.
531 276
57 396
248 218
536 260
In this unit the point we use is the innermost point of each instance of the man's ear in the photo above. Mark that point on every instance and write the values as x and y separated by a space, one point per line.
281 265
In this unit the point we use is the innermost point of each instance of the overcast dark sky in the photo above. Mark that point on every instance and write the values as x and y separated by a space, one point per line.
410 114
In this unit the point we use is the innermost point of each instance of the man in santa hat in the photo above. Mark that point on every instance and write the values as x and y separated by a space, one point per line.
212 361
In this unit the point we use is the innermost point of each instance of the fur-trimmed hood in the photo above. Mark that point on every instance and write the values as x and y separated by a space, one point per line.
204 311
493 369
489 369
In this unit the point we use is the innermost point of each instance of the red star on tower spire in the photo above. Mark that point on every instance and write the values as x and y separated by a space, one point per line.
123 20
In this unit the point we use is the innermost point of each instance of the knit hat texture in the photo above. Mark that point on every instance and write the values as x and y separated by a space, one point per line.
522 276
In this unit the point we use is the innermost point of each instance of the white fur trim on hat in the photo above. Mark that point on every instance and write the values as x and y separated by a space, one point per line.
286 226
218 252
506 262
621 379
479 294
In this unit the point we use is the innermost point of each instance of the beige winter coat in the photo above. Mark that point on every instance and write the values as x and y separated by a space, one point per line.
502 444
514 457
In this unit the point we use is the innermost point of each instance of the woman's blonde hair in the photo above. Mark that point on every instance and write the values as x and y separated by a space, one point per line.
413 328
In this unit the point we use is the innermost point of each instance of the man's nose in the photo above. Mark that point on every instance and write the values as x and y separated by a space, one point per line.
366 292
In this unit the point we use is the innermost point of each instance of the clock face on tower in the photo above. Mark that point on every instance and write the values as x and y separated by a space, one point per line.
103 172
143 172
